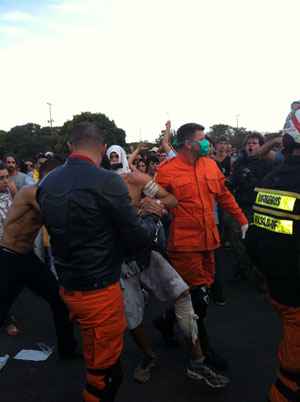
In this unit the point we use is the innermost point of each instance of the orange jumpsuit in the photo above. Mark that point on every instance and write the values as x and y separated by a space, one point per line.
287 386
193 233
101 318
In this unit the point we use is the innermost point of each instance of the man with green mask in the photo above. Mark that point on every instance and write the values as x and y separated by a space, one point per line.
197 183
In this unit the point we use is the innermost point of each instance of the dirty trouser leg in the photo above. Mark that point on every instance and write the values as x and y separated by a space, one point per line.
100 315
287 386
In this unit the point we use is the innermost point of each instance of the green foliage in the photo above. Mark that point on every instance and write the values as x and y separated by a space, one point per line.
114 135
30 139
235 135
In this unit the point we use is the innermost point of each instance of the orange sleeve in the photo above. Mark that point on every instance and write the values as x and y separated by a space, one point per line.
162 178
228 202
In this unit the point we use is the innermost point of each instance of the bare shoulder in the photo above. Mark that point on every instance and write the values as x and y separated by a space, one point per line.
27 195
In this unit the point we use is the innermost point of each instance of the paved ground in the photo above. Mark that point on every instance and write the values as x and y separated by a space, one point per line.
245 331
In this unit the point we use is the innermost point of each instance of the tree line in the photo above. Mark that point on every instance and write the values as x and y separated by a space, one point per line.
28 140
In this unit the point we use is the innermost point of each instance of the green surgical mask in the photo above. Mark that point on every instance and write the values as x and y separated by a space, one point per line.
202 147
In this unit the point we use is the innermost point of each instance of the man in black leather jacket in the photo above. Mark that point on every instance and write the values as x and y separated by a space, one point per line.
92 225
247 172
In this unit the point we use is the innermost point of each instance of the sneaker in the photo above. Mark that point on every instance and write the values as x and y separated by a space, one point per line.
201 372
216 361
142 373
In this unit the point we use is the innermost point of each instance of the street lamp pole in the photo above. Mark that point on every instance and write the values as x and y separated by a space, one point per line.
237 121
50 121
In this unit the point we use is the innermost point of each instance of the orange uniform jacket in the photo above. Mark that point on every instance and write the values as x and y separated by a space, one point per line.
196 188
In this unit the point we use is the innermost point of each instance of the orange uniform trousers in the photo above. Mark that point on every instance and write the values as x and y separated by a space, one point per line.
287 386
101 318
195 268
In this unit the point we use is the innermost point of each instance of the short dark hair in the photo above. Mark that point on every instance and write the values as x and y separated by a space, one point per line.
86 133
187 132
141 161
153 158
50 164
255 136
10 156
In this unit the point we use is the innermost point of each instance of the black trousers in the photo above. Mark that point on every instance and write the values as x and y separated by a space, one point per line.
216 290
20 271
200 301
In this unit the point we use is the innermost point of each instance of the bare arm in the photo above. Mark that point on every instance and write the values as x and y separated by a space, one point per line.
166 141
140 179
135 154
166 198
265 151
24 200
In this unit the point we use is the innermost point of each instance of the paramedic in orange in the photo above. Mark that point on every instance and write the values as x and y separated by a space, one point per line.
198 184
92 225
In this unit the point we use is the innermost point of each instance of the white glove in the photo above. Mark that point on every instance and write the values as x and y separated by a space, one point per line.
244 230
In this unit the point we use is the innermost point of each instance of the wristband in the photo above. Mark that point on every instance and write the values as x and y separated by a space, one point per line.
151 189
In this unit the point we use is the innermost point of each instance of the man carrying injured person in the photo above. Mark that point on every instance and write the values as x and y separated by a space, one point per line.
163 281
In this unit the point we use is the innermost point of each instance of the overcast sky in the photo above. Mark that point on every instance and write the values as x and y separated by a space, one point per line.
142 62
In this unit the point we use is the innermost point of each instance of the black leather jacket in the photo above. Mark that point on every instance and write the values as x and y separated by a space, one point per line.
92 224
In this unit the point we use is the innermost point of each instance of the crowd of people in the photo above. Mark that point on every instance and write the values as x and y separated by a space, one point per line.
100 233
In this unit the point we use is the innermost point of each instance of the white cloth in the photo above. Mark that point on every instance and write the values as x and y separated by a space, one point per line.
122 158
186 317
244 230
160 278
292 124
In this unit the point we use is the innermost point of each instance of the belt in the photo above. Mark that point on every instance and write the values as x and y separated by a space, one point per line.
86 286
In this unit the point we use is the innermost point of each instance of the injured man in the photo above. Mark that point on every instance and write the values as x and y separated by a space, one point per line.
160 278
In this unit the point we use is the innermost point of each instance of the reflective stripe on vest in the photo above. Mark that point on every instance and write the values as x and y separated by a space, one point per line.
272 224
276 214
276 192
275 200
